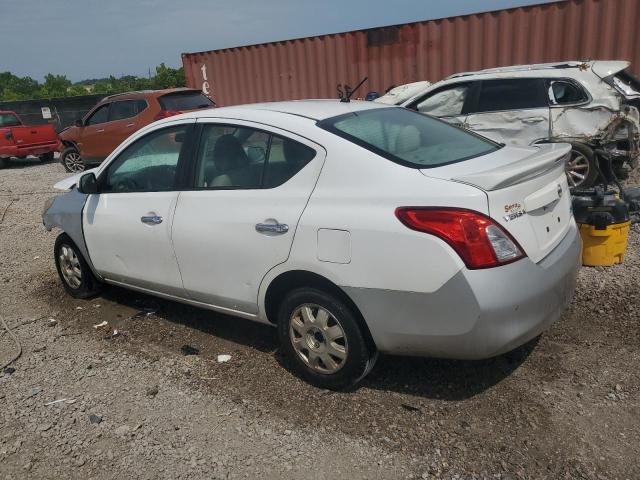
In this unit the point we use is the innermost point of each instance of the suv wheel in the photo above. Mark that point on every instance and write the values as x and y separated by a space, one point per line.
72 161
322 341
581 168
77 278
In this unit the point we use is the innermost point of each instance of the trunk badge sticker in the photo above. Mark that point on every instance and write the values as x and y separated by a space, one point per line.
513 211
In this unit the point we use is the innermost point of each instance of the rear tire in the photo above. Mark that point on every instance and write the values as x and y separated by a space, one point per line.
581 168
77 278
322 341
72 160
46 157
3 162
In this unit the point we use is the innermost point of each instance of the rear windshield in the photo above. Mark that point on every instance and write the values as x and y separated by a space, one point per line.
9 120
409 138
181 101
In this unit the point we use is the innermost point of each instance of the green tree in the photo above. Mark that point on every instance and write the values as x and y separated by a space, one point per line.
55 86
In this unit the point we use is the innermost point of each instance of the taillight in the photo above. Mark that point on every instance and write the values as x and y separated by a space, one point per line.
476 238
166 114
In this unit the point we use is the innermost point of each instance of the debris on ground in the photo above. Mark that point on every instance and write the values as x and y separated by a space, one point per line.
100 325
152 391
189 350
93 418
224 358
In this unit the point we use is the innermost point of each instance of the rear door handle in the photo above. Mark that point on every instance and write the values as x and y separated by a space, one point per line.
277 228
130 124
151 219
533 119
100 131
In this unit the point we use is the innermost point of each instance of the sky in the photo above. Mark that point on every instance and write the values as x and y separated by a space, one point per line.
97 38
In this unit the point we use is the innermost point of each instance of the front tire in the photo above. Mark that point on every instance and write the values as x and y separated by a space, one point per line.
321 339
72 160
77 278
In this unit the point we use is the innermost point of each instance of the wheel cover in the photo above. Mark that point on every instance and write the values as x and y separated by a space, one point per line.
577 169
73 161
70 266
318 338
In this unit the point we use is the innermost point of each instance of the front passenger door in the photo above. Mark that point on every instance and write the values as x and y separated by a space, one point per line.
91 143
127 226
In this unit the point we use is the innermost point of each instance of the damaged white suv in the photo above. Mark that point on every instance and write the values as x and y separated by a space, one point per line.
592 105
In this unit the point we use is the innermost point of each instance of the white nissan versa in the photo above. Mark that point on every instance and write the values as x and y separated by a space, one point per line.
355 228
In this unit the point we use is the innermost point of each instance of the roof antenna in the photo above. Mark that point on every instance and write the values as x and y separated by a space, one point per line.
345 91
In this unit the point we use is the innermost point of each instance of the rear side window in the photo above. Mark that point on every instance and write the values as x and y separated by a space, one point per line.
181 101
123 109
408 138
626 83
447 102
9 120
244 158
511 94
564 92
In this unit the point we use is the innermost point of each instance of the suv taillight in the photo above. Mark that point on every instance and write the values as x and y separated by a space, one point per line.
477 239
166 114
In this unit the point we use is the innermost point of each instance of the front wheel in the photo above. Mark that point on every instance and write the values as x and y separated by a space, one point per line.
72 160
77 278
322 340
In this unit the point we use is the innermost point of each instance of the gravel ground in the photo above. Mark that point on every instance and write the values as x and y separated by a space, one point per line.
132 405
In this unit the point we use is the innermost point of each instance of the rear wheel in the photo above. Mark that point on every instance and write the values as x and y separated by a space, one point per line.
77 278
46 157
321 339
581 168
3 162
72 160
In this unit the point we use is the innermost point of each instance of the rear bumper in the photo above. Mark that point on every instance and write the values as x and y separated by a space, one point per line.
18 151
477 313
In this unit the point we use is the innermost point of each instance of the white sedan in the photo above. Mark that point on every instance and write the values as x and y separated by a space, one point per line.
355 228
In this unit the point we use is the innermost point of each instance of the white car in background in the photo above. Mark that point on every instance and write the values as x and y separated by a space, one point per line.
592 105
402 93
355 228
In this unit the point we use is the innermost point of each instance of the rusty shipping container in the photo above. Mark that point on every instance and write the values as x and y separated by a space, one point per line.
429 50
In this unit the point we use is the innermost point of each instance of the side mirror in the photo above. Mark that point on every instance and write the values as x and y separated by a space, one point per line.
88 184
78 123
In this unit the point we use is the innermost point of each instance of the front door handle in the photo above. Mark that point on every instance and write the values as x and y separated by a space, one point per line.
100 131
130 124
151 219
277 228
533 119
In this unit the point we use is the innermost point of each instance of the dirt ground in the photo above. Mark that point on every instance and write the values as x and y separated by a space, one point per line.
132 405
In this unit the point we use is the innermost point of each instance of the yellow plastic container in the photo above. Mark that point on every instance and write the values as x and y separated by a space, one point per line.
601 248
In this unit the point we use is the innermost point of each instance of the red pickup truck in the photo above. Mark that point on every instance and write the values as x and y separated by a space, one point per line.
19 140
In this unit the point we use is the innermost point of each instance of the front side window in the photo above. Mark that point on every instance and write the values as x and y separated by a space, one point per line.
9 120
239 157
445 103
511 94
149 164
408 138
563 92
101 115
122 110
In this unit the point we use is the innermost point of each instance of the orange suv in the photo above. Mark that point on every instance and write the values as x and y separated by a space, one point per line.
116 117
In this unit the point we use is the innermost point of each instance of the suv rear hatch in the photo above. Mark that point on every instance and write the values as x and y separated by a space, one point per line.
527 192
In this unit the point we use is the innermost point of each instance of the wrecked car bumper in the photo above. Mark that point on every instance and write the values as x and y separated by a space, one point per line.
478 313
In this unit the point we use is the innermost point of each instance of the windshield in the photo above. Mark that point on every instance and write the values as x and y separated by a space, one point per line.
9 120
409 138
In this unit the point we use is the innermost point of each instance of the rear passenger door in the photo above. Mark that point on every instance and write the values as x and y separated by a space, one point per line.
513 111
249 187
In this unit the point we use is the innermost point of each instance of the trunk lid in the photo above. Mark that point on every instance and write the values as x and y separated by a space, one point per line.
527 192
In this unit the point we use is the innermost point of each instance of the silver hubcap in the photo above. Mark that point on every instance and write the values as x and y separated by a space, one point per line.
318 338
74 162
70 266
577 169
